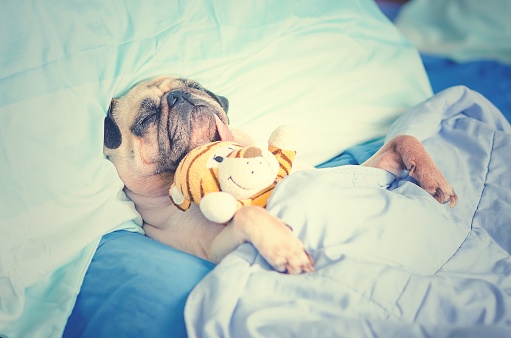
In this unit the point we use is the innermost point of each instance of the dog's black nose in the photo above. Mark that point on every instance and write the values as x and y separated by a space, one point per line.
178 96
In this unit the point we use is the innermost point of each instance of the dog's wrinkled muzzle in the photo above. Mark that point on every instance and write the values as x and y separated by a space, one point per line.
183 103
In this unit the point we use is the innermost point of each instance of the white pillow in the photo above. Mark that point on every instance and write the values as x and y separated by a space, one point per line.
338 72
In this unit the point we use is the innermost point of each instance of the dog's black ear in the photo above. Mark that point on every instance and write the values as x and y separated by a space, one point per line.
112 137
224 103
222 100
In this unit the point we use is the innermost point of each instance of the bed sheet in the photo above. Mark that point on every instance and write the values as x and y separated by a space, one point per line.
364 286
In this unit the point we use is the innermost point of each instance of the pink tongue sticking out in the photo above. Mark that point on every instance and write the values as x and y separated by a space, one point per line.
223 131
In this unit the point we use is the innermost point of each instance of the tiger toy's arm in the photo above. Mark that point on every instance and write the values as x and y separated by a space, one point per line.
219 207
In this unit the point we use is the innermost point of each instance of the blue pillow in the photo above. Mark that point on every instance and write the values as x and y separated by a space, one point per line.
135 287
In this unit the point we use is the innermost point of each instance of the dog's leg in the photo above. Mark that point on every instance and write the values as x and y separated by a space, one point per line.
273 239
405 152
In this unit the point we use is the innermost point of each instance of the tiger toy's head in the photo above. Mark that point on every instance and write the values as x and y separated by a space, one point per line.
248 174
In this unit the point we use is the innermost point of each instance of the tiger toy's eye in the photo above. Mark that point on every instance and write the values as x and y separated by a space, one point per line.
219 159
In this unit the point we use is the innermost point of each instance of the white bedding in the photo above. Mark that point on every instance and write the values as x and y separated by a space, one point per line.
389 263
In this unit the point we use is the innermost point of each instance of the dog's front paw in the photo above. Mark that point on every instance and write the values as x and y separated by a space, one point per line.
433 181
273 239
445 193
285 253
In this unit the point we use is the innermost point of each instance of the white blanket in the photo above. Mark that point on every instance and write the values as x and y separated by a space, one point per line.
389 262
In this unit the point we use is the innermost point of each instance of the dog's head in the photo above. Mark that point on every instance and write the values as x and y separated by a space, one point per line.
152 127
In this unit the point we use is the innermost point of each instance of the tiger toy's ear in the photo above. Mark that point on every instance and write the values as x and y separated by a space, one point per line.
282 144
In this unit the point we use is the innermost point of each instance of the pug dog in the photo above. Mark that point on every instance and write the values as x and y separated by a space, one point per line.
157 122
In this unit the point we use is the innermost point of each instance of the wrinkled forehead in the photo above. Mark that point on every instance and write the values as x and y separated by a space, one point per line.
157 87
154 87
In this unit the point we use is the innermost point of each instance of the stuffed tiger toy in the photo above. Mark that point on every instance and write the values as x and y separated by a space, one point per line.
223 176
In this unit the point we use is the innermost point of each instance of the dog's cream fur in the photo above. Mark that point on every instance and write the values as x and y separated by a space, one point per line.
146 184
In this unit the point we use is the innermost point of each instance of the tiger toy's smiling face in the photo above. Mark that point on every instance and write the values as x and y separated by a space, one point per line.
223 166
244 175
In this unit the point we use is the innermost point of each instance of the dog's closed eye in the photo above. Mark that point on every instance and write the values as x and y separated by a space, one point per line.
149 111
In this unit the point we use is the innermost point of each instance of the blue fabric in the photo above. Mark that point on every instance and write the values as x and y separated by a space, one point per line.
135 287
389 262
389 8
488 77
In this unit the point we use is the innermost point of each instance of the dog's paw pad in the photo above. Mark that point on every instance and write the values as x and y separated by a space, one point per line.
453 199
445 195
290 260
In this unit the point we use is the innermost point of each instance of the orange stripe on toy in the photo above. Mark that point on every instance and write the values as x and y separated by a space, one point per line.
215 178
236 154
188 169
183 206
287 159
